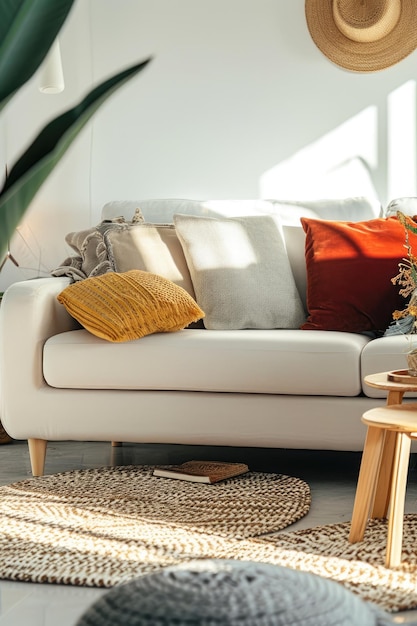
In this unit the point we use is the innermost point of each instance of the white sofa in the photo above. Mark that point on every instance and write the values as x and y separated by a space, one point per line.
280 388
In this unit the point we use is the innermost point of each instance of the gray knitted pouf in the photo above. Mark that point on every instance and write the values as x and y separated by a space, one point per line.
226 592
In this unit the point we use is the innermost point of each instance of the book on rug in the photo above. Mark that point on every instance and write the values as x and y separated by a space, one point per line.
201 471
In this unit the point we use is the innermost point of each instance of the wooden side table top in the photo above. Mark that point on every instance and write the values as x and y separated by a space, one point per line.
395 390
381 381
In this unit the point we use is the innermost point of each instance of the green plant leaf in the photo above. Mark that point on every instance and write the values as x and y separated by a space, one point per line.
34 166
27 31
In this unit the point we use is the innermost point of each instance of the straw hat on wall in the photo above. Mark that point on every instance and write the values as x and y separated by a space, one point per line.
363 35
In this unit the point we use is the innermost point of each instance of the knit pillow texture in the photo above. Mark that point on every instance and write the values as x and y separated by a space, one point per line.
129 305
349 270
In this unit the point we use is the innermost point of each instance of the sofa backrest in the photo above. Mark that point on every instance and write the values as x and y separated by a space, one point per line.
162 211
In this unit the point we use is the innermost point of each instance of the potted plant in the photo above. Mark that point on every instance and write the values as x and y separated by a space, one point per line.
405 321
28 28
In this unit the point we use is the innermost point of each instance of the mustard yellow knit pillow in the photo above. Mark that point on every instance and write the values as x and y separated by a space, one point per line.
129 305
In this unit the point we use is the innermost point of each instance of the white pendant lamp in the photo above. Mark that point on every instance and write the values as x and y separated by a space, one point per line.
51 75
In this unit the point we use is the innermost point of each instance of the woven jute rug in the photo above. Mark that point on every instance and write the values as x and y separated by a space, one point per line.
105 526
360 567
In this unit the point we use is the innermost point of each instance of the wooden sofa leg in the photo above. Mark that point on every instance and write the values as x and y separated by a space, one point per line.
116 444
37 454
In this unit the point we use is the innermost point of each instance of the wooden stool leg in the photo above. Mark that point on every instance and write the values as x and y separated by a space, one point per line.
398 489
383 488
368 475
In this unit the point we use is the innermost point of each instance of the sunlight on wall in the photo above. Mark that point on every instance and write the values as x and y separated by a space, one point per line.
401 141
340 163
335 166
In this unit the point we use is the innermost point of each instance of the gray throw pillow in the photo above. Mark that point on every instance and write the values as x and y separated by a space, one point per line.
240 271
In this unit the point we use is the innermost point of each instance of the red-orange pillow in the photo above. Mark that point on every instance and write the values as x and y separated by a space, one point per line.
349 270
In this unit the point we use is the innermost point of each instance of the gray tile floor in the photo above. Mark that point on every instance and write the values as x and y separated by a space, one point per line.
331 475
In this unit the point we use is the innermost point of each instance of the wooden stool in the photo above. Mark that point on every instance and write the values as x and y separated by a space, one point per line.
383 474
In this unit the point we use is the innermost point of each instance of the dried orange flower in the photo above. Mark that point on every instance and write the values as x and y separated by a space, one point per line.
407 275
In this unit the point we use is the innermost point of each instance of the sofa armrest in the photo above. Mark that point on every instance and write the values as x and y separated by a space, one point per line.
29 314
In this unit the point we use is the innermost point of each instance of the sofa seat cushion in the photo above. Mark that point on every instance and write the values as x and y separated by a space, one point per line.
241 361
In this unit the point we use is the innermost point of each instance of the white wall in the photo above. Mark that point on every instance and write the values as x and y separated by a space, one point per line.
237 102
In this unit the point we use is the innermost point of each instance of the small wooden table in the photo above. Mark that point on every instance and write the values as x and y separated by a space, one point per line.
395 395
377 476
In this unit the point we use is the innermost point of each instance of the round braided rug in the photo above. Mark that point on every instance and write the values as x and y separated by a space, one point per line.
100 527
